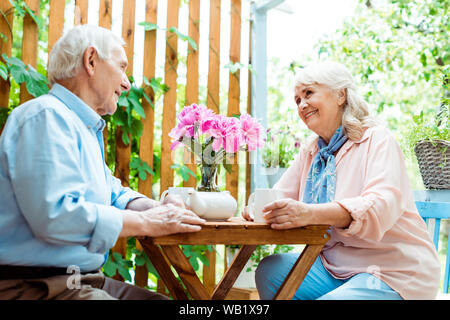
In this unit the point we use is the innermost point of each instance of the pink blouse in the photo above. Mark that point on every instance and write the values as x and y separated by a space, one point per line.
387 236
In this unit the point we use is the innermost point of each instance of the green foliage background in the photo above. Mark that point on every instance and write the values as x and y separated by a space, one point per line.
399 54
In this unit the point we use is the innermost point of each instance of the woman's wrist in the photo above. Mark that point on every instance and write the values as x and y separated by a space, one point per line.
325 213
330 213
309 211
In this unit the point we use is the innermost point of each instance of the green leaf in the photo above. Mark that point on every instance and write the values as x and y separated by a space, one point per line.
228 167
183 171
125 138
136 128
124 272
139 260
149 26
134 100
135 162
3 71
36 88
13 61
123 101
184 37
36 19
19 74
423 59
110 267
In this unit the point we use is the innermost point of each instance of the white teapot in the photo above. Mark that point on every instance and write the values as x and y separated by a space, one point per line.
213 206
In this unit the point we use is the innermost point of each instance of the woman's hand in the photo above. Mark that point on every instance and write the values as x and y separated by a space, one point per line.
246 214
288 213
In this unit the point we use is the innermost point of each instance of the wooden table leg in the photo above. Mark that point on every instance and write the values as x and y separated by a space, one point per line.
163 268
298 272
233 272
187 274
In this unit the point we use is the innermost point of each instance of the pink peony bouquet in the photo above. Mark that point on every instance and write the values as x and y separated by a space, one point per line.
211 137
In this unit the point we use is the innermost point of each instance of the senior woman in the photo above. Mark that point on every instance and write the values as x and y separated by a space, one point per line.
352 177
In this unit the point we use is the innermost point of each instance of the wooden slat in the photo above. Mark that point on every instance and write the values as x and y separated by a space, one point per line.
209 271
123 151
146 141
248 167
6 26
129 13
105 21
29 44
186 272
81 12
232 233
163 269
234 91
170 98
298 272
212 100
56 22
192 77
233 272
105 14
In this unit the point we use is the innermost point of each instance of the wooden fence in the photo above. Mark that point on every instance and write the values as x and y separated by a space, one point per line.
171 79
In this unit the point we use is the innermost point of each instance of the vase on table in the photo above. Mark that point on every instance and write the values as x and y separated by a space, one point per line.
208 178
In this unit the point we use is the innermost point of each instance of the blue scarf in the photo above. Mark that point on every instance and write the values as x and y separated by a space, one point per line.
321 181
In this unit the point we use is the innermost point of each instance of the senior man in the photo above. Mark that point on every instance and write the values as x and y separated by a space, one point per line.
60 207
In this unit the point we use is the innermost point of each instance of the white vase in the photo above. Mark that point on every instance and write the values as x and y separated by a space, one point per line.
246 280
274 174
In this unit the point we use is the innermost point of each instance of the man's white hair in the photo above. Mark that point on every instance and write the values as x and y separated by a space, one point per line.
336 76
66 57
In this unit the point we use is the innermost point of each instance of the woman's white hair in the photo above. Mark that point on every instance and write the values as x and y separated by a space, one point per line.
66 57
336 76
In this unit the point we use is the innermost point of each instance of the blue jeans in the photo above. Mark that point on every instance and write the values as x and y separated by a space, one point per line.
319 283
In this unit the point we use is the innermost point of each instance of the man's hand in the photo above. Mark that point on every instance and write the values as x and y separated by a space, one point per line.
159 221
144 203
169 219
174 199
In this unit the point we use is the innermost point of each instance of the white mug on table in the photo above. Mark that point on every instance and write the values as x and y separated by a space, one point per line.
259 199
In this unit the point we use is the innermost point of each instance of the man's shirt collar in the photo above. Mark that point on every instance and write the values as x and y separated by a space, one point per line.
89 117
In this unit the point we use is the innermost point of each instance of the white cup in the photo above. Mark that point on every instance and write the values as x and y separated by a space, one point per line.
184 192
259 199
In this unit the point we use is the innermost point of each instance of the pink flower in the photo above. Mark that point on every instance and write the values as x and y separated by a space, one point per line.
226 133
252 132
197 123
191 120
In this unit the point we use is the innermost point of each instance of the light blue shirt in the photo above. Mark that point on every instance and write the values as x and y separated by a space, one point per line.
59 203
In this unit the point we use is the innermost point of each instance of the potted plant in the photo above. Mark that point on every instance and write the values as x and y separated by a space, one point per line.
430 142
280 149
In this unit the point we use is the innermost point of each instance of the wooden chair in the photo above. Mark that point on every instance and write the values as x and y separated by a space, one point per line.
433 212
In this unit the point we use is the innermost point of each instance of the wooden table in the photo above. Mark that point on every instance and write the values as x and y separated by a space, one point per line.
165 251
